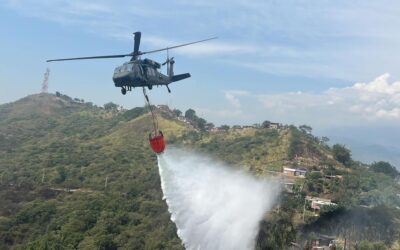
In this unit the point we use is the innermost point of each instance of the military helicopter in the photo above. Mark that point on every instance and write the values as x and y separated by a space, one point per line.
141 73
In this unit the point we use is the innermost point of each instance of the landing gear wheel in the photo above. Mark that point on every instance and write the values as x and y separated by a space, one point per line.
150 87
123 91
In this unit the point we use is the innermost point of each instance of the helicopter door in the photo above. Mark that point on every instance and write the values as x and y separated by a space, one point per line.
151 73
137 71
141 72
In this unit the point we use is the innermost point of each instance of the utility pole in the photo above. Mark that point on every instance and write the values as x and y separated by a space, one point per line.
105 183
45 84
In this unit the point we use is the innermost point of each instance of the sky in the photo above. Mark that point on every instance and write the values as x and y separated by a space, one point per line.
328 64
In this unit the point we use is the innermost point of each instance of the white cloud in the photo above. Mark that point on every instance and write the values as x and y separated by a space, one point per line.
376 101
233 111
232 97
218 114
278 37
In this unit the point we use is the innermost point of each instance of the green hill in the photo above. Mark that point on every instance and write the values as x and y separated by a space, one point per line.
74 175
50 145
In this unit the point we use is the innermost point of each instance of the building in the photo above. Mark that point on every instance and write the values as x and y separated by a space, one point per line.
331 177
318 203
216 129
164 108
274 125
301 172
298 172
323 242
289 171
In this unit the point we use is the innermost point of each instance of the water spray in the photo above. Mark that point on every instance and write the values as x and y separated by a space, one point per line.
214 206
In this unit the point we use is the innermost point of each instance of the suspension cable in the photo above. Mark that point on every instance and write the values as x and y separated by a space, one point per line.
153 114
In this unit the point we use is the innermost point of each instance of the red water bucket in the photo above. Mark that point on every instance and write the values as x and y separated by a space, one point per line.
157 143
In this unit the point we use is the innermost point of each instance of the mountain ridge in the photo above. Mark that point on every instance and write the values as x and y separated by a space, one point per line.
50 144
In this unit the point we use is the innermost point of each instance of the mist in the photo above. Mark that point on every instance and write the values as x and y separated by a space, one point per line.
214 206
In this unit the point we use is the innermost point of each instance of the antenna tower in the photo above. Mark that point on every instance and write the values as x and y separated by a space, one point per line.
45 84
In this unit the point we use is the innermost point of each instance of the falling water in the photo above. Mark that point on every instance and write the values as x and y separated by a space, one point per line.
213 205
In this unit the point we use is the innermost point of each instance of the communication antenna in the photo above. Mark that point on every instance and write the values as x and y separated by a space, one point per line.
45 84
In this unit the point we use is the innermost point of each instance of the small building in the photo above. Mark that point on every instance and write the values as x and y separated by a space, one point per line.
298 172
331 177
247 127
289 171
323 242
318 203
215 129
274 125
164 108
301 172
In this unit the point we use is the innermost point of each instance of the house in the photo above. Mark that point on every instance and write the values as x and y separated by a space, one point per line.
331 177
216 129
289 171
274 125
323 242
318 203
299 172
247 126
164 108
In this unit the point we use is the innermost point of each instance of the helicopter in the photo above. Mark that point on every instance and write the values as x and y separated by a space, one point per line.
141 72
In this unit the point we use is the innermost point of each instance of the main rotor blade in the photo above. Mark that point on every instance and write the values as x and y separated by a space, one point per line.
177 46
89 57
138 35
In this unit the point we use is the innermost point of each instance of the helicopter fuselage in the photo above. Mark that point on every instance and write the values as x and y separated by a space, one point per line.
144 73
140 73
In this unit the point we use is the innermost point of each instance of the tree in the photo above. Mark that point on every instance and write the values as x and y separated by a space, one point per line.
385 168
190 114
306 129
342 154
266 124
209 126
58 94
201 123
62 174
324 139
224 127
110 106
177 112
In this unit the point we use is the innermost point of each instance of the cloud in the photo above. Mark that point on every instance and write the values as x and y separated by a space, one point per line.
233 111
202 49
232 97
273 37
375 101
220 114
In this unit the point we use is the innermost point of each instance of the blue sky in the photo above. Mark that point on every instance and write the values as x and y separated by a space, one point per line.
324 63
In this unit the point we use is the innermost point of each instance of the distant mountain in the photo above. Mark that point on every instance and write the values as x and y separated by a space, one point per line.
370 152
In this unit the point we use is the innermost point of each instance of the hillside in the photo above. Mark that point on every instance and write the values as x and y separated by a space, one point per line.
74 175
50 143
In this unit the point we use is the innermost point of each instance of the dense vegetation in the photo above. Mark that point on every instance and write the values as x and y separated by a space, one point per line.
78 176
74 175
